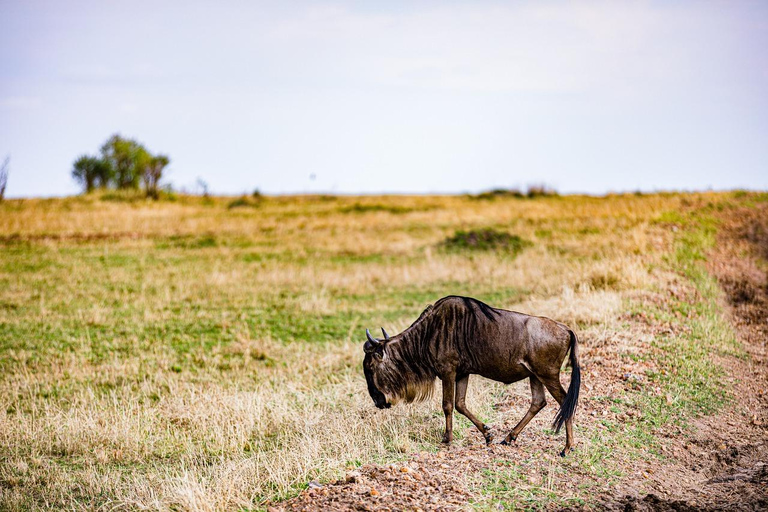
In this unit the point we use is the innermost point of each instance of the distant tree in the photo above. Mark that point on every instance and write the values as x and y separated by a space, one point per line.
124 164
126 158
4 176
91 172
153 173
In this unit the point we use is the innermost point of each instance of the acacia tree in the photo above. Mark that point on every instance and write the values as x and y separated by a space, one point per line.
153 173
126 157
91 172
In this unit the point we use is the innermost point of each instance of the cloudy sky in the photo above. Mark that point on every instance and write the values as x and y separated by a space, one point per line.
391 96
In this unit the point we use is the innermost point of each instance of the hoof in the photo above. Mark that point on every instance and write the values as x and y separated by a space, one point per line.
562 453
488 439
504 442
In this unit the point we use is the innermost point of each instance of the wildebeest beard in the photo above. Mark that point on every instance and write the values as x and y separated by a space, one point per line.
402 373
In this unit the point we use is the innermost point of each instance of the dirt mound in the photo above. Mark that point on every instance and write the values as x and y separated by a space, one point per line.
425 482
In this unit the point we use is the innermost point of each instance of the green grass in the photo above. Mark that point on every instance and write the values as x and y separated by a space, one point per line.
692 384
508 486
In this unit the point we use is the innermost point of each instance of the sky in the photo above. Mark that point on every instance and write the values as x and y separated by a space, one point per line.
390 97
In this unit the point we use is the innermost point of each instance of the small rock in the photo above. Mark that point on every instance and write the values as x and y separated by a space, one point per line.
405 470
722 446
314 485
352 477
374 492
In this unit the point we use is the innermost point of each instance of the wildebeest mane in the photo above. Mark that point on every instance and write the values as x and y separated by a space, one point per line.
482 307
409 372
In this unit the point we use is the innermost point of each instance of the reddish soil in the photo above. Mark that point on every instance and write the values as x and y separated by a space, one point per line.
722 465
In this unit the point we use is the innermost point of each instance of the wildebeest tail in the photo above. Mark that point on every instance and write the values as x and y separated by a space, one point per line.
568 407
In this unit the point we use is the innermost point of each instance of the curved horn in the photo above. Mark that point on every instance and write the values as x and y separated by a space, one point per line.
386 336
371 338
372 344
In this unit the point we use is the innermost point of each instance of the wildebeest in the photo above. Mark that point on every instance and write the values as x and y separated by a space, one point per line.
460 336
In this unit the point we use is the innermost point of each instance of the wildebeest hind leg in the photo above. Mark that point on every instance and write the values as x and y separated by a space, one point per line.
557 391
538 401
461 392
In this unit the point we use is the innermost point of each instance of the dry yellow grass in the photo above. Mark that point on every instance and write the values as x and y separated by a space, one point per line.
189 356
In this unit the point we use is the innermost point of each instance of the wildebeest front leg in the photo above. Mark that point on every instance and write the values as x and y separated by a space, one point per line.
461 392
448 397
538 401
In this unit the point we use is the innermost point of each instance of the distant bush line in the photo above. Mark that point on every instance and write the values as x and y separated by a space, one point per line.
532 192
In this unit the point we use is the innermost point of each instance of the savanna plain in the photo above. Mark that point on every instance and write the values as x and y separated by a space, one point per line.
204 353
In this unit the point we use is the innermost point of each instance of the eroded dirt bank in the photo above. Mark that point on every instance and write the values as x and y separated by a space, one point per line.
724 464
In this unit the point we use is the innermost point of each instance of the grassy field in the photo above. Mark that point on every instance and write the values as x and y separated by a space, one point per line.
205 353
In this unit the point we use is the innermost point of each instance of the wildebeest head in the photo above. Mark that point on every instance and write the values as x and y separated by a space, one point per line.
374 355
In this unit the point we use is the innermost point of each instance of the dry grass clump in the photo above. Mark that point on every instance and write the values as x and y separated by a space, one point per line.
190 356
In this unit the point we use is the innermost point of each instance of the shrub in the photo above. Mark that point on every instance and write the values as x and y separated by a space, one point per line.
365 208
487 239
534 191
540 190
497 193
